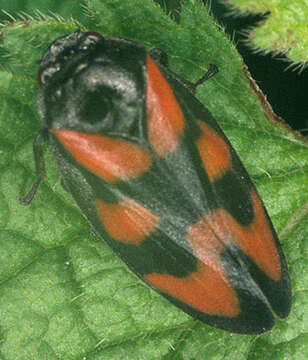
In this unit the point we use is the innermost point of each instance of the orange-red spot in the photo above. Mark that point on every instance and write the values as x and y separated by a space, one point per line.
258 242
204 237
204 290
165 118
216 230
110 159
214 152
127 221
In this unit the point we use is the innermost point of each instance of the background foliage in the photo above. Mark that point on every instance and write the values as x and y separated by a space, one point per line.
285 30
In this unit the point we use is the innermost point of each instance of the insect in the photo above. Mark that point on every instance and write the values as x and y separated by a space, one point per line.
158 180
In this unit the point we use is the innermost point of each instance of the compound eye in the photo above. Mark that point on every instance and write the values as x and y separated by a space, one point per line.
94 35
45 74
90 38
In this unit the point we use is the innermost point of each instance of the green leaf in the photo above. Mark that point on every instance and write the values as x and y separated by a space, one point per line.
285 29
27 9
63 293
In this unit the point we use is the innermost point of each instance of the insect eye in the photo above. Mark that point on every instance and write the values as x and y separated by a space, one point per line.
93 36
45 74
90 39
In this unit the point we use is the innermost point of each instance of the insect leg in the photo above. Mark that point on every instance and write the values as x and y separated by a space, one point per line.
40 138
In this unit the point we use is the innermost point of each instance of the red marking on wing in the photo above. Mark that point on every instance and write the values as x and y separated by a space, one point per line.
204 290
216 230
204 237
257 240
127 221
214 153
165 118
110 159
